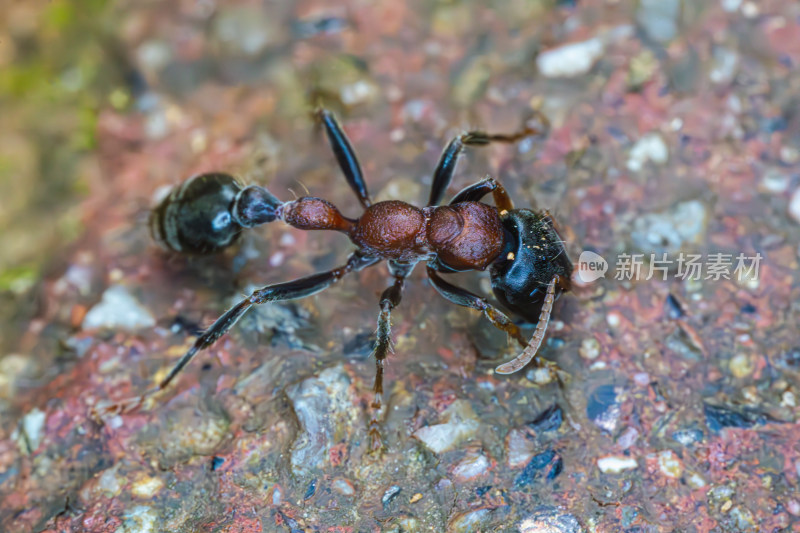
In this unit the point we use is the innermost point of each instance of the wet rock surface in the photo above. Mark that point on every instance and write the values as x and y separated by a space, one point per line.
673 131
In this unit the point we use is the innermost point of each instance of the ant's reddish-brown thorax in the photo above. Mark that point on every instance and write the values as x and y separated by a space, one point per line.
464 236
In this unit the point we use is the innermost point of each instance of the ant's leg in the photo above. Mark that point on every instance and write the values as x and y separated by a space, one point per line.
345 155
290 290
463 297
476 191
460 296
449 158
383 344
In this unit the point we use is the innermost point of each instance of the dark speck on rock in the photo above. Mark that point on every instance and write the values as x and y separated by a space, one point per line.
547 465
548 420
216 462
180 324
790 359
323 25
390 494
311 490
673 307
773 124
719 416
360 346
749 309
480 491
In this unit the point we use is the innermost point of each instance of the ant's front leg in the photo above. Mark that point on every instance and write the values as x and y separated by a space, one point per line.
446 167
345 155
383 344
465 298
476 191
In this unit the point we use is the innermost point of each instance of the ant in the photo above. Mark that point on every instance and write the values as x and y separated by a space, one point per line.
522 249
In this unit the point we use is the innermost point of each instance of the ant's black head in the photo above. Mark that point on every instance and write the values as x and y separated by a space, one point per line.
534 254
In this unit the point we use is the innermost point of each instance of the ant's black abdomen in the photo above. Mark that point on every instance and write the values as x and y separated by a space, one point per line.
207 212
534 255
195 217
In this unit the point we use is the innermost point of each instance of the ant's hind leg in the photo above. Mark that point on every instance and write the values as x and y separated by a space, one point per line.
290 290
383 344
345 155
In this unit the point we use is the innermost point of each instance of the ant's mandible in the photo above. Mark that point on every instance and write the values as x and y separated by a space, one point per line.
527 262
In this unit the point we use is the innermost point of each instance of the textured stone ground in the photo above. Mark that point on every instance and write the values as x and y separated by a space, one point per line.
674 129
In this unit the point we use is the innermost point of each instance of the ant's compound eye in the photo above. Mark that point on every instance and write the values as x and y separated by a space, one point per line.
533 255
195 218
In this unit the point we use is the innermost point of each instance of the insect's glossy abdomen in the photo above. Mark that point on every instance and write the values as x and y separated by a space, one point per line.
196 217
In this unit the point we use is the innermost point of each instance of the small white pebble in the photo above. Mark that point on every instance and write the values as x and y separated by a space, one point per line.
669 464
141 518
788 399
287 239
750 10
789 155
570 60
730 6
540 376
590 348
147 487
32 425
613 319
198 141
472 466
741 365
793 506
276 259
651 147
628 438
357 93
794 206
118 309
342 486
116 422
614 464
775 182
696 481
